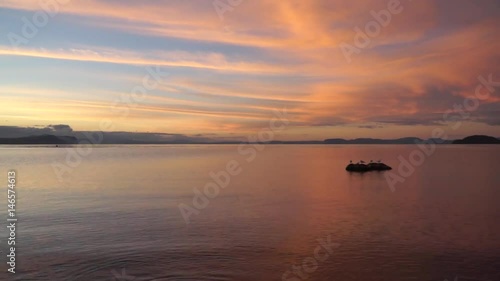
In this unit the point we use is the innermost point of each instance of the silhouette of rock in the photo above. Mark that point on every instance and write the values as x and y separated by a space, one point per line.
359 167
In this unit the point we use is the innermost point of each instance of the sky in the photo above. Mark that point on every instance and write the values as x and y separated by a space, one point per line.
220 69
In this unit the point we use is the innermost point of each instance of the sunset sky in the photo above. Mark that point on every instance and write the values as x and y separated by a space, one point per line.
228 69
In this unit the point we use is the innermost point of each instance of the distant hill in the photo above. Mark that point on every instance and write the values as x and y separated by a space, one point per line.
43 139
51 139
408 140
478 139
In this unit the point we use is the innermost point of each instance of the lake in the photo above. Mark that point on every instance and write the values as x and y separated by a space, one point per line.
274 212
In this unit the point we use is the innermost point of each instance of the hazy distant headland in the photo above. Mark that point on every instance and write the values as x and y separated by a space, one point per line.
43 139
65 135
478 140
71 140
406 140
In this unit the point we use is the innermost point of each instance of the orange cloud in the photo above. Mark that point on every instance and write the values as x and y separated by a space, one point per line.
285 53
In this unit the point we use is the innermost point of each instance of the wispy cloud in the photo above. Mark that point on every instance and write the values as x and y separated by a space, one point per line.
276 53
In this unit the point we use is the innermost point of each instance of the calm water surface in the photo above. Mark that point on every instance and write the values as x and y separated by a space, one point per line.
115 216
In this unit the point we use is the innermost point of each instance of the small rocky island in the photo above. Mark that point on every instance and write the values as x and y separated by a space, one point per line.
363 167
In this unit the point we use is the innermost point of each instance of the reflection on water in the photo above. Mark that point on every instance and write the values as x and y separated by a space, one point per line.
116 216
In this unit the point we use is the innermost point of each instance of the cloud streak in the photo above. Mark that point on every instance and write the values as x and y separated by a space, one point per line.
275 54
